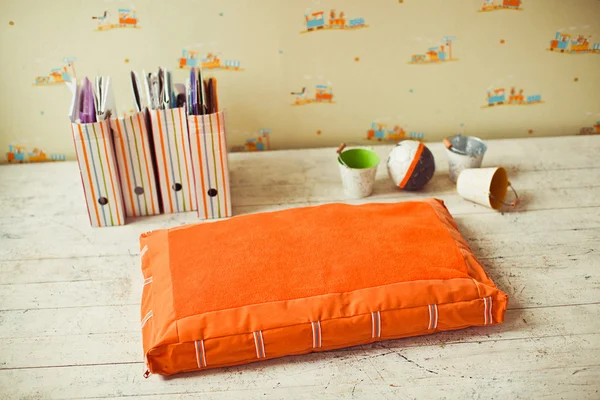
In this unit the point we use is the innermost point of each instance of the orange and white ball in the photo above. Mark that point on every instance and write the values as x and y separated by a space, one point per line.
410 165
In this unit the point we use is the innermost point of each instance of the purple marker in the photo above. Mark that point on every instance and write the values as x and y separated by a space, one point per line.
88 112
194 88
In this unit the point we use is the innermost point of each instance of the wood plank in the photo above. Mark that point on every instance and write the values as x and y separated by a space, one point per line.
302 168
573 387
521 368
81 240
48 179
113 292
100 243
539 189
475 229
524 223
69 321
77 347
519 388
530 281
65 350
522 155
542 281
566 274
568 152
569 242
531 200
69 269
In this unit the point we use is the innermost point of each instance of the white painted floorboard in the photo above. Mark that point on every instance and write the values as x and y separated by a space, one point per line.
69 294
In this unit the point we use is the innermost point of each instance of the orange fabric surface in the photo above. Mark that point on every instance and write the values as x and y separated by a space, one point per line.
307 279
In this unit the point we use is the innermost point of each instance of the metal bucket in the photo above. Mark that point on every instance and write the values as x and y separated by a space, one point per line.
465 152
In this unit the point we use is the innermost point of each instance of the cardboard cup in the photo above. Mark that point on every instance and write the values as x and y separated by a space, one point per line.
485 186
358 168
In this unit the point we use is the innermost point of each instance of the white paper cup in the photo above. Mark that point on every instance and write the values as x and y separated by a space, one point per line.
485 186
473 149
358 168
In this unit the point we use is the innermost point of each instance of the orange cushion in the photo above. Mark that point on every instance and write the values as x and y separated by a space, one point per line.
307 279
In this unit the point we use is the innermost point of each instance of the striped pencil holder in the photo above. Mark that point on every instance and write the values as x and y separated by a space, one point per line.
211 171
136 170
173 160
99 176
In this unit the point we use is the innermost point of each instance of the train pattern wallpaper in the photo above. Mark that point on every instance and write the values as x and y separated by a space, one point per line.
312 73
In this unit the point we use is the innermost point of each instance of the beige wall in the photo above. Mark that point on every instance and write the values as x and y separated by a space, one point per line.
368 69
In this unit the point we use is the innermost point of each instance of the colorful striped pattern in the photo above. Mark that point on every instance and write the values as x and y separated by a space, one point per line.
98 168
172 149
211 172
433 316
146 318
259 344
375 324
487 311
134 158
200 353
316 331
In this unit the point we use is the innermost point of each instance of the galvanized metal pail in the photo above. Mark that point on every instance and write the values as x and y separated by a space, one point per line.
463 152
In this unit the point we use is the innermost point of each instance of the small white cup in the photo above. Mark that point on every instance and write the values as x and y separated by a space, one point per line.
358 167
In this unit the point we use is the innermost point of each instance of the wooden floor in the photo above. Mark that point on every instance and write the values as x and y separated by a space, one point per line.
69 294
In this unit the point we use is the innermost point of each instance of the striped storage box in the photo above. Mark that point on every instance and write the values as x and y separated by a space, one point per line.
211 171
98 168
173 161
134 158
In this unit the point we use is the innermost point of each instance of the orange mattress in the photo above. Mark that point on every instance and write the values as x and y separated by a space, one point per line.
309 279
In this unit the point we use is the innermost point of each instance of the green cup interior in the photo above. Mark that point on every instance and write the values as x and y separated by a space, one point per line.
359 158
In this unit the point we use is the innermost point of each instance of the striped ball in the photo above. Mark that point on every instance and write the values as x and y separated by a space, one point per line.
410 165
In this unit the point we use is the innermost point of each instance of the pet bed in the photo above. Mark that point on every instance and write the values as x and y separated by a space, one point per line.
303 280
